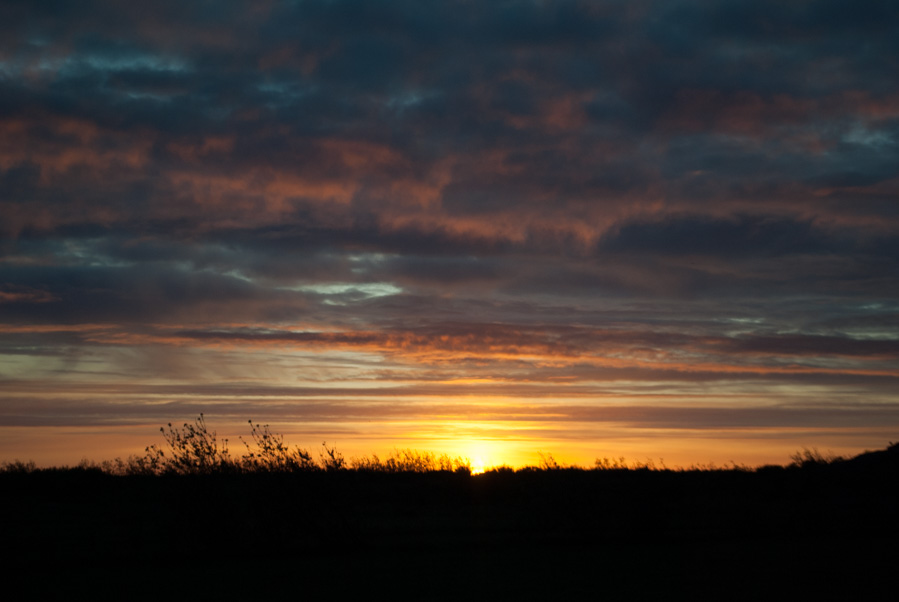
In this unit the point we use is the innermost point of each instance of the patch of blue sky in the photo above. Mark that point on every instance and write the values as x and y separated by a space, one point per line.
367 290
135 62
283 93
406 100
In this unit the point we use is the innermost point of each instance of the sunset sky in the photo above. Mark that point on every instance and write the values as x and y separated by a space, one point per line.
641 228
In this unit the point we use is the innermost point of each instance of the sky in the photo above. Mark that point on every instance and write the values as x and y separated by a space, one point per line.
657 229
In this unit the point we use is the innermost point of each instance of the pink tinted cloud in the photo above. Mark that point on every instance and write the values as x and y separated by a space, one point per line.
10 293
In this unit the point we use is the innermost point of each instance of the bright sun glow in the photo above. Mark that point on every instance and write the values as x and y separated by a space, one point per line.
483 455
477 466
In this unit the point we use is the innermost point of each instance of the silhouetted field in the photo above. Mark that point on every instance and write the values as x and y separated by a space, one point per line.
815 528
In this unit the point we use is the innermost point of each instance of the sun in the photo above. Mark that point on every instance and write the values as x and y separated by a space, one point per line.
481 455
478 466
484 454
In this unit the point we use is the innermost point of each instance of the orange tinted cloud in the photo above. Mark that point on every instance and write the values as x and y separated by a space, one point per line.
17 294
75 143
497 345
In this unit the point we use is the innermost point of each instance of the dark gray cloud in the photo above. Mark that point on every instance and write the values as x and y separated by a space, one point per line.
738 236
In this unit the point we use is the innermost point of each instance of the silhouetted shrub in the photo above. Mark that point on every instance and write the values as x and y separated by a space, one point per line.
331 459
193 449
547 462
271 454
18 466
810 458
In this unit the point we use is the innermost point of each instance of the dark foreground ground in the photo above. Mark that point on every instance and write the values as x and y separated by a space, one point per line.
818 532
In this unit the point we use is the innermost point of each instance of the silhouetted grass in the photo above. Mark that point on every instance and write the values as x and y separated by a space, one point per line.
195 519
193 449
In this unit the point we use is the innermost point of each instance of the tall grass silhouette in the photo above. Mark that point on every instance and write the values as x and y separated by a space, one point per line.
194 449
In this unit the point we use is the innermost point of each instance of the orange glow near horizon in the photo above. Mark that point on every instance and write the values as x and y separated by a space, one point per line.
67 446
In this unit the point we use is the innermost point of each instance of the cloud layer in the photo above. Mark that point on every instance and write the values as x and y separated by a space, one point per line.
672 214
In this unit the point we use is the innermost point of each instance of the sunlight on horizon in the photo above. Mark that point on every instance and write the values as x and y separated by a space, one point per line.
69 445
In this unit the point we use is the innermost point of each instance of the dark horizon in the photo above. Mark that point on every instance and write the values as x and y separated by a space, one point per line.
818 529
